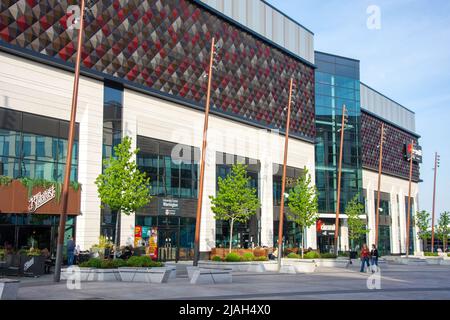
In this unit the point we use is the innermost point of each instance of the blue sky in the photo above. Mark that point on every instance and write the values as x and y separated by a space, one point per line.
408 60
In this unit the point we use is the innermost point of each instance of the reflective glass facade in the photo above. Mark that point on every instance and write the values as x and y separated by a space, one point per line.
337 84
112 136
168 177
34 146
244 234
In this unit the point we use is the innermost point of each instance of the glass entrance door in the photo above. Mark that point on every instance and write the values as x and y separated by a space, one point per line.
168 244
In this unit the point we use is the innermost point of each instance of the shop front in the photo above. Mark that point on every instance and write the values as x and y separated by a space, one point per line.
29 216
326 229
165 230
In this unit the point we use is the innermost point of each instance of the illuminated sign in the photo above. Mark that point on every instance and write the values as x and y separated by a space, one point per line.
415 150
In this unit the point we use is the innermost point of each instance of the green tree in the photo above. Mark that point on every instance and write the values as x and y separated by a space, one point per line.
121 186
235 199
422 222
356 226
443 228
302 202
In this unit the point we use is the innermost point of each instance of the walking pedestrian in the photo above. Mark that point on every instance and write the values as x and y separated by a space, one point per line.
365 253
70 251
374 258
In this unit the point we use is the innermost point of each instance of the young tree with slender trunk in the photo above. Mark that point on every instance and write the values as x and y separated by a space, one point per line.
121 186
443 228
303 205
235 200
356 226
422 222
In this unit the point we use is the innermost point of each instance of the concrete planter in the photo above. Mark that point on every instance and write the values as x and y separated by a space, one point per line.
301 265
332 263
433 260
90 274
142 274
85 274
245 266
9 289
107 275
445 262
235 266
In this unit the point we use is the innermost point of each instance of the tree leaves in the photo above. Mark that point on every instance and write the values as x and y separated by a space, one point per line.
422 221
302 201
122 186
356 226
235 199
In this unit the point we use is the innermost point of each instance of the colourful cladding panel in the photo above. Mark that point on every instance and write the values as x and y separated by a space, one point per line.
394 162
165 45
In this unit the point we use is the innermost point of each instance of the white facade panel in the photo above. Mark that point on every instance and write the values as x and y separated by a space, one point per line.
386 108
167 121
269 23
35 88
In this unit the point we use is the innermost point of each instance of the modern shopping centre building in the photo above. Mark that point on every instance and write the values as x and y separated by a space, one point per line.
143 76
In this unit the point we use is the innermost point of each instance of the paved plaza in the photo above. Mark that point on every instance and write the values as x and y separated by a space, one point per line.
396 282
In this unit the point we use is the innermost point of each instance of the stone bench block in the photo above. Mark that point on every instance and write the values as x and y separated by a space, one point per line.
287 268
256 267
211 276
9 289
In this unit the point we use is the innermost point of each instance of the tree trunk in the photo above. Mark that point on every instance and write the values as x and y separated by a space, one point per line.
303 242
231 234
117 242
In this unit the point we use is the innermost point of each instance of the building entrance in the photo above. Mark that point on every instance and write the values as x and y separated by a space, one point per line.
168 244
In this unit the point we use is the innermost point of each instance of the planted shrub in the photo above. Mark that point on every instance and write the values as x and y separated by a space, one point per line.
92 263
293 255
233 257
430 254
248 256
216 258
261 258
113 263
312 255
142 262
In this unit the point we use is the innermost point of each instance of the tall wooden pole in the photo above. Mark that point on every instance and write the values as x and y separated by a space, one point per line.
338 200
283 180
202 162
66 184
408 213
380 164
434 200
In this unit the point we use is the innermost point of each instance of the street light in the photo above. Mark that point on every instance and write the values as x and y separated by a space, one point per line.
342 129
437 159
380 165
212 60
411 154
65 187
283 180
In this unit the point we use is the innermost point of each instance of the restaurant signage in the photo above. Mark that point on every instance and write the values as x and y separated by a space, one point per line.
41 198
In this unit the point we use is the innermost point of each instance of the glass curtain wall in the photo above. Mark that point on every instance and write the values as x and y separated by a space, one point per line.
112 136
337 84
35 147
245 235
384 227
292 234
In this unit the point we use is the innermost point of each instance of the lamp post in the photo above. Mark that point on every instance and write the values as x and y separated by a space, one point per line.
408 213
283 179
202 162
436 165
380 165
66 184
338 199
